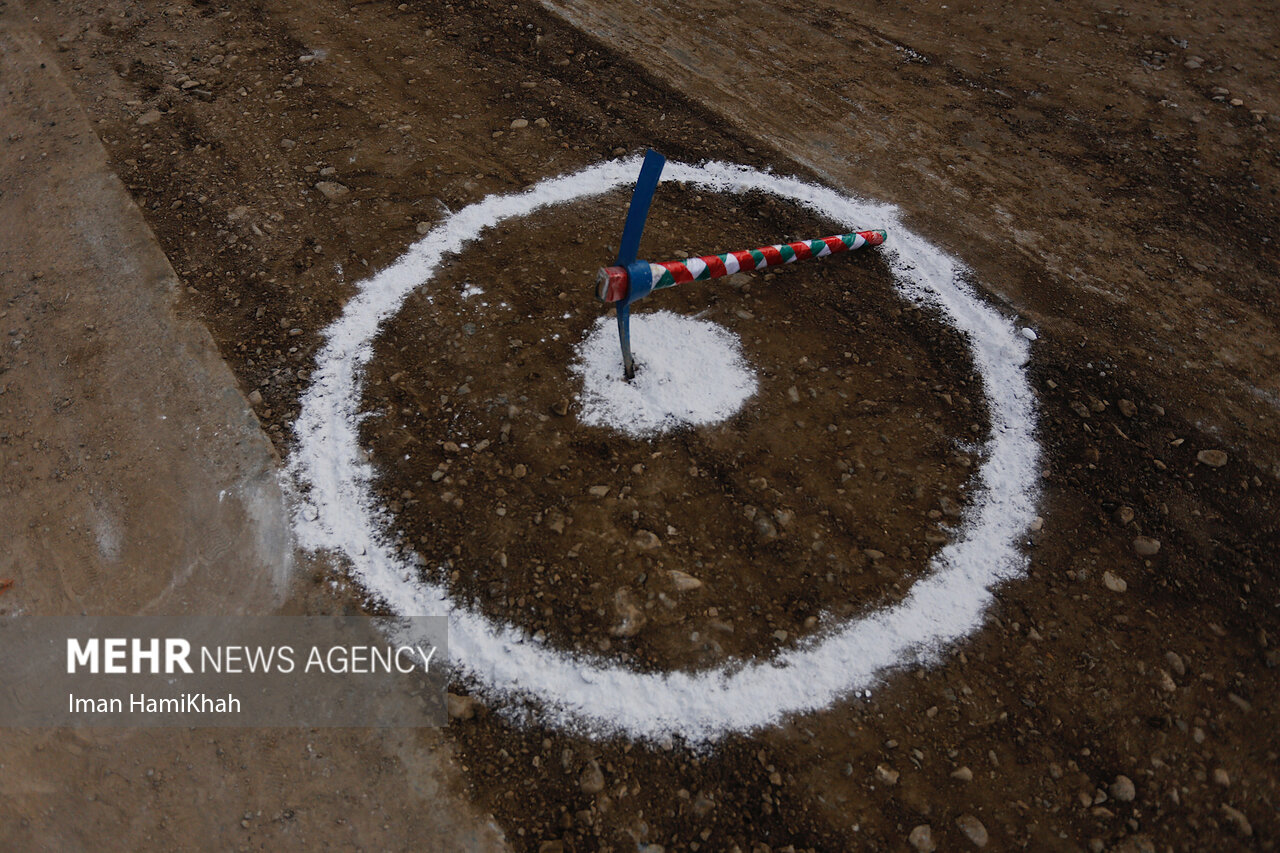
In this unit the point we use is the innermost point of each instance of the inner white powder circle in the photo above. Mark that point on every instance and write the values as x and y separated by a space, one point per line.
689 372
336 510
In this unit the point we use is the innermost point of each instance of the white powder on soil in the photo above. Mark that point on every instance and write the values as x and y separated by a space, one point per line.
335 509
688 372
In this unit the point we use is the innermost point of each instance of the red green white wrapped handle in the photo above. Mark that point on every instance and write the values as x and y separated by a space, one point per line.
613 284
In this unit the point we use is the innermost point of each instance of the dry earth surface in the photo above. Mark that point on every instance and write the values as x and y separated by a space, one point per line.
1109 174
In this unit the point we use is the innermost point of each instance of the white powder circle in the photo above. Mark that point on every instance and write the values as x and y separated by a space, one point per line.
335 510
688 373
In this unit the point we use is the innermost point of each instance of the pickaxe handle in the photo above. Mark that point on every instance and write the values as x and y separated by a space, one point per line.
614 284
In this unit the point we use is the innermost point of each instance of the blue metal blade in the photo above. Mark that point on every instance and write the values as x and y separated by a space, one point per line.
638 213
624 337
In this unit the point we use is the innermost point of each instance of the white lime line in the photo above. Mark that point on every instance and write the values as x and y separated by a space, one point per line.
335 509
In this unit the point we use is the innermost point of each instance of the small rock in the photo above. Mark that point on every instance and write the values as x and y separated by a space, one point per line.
1220 777
684 582
1127 408
1145 546
519 124
1029 334
552 846
560 407
973 830
1113 582
1237 817
964 774
793 394
1175 663
150 117
921 838
886 774
332 190
422 227
598 491
646 540
519 471
592 779
1122 789
1193 62
765 528
1123 515
631 618
1212 458
541 122
872 554
255 397
461 707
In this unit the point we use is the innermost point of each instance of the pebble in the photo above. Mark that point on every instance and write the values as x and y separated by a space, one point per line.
423 227
646 540
541 122
1145 546
1193 62
1127 408
150 117
1122 790
598 491
684 582
255 397
461 707
1175 663
560 407
873 554
1114 582
1123 515
592 779
1237 817
765 528
630 617
332 190
964 774
1220 777
921 838
1029 334
973 830
1212 458
887 774
520 471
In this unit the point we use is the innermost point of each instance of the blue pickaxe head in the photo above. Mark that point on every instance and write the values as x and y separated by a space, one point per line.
639 280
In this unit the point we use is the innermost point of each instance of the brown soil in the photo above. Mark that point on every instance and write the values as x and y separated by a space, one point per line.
1078 197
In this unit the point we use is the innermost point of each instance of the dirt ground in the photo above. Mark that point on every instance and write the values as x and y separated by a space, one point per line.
1109 173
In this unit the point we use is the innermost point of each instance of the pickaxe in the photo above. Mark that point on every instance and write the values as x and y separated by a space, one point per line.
630 280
